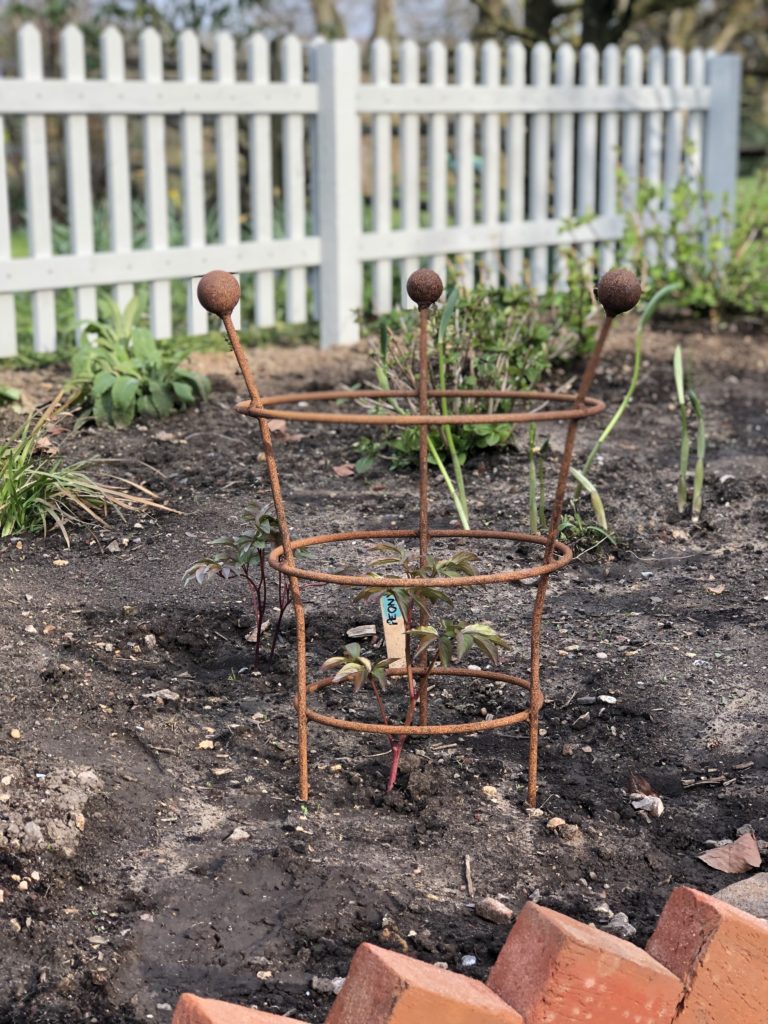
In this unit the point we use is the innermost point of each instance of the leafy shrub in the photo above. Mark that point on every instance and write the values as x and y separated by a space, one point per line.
39 489
120 371
718 263
503 338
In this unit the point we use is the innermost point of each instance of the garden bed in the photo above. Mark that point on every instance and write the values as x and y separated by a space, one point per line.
143 891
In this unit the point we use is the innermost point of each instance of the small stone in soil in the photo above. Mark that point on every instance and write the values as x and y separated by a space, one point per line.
238 835
619 925
493 910
469 960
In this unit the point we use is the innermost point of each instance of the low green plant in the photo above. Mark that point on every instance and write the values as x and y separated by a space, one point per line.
427 643
120 372
499 339
684 396
244 556
716 259
39 489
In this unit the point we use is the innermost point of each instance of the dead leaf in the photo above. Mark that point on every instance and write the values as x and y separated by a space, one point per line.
345 469
639 784
277 426
716 590
734 858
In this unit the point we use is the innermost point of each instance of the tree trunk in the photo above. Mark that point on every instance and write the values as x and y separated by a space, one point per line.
328 21
385 23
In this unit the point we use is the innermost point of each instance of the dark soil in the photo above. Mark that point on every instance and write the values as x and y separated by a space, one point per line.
136 893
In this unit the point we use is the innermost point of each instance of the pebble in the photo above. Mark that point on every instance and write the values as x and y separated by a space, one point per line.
493 910
749 895
469 960
534 812
15 734
581 722
603 912
328 986
490 792
619 925
606 698
554 823
238 835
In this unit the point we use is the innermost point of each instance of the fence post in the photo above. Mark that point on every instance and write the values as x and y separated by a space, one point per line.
338 133
721 139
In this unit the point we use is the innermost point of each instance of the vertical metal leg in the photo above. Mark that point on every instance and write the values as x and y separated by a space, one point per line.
302 721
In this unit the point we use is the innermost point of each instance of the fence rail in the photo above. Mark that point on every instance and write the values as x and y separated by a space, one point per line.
324 180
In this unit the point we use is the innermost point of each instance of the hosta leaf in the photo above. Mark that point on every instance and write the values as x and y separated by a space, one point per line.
102 382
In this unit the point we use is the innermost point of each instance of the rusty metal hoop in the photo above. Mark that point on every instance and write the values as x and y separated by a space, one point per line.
571 408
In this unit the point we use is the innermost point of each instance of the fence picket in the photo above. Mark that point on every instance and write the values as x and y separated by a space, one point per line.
381 200
673 141
609 155
538 165
192 174
118 162
294 182
490 75
78 163
8 339
410 141
586 146
37 190
261 171
516 158
630 129
565 72
465 161
227 153
156 184
437 144
653 143
694 136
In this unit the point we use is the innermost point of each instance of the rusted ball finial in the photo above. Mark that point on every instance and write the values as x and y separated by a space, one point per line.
218 292
424 287
618 291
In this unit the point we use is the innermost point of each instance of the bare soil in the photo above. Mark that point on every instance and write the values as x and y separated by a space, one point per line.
121 886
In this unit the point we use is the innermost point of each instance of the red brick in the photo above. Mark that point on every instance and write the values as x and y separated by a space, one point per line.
194 1010
554 970
721 955
383 987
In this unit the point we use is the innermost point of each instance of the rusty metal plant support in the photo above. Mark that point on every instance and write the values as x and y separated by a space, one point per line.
618 292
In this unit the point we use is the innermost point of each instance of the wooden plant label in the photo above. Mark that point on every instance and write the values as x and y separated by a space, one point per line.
394 630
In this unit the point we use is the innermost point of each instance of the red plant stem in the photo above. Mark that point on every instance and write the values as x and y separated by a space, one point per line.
259 604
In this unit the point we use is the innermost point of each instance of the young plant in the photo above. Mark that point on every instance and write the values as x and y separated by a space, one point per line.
39 489
120 372
685 444
537 515
244 556
426 643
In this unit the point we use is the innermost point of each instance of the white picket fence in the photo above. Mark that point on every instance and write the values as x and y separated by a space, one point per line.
381 168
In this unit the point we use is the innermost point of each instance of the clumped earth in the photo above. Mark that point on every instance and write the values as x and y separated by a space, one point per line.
151 841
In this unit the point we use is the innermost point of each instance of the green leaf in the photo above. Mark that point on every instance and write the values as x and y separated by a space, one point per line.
123 393
162 399
183 392
102 382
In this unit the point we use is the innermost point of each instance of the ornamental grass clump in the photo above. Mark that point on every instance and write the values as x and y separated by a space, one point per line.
40 490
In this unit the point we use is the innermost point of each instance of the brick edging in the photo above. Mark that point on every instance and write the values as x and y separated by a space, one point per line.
706 963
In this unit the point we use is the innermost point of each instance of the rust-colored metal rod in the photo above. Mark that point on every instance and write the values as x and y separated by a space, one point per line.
351 580
537 699
287 554
273 406
423 492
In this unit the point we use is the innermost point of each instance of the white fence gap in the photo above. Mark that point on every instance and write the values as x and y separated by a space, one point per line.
475 175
